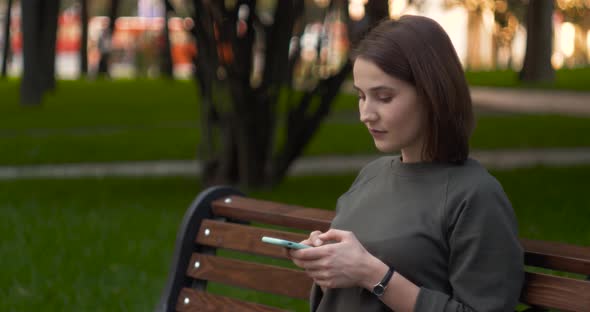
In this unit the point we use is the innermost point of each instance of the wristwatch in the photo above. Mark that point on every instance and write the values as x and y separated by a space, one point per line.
379 289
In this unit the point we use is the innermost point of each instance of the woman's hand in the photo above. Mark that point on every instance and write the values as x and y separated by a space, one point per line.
313 239
342 263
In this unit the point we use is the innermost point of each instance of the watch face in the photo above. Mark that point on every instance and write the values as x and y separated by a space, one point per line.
378 290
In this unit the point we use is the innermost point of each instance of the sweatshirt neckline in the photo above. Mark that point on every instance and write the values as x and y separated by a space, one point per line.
417 168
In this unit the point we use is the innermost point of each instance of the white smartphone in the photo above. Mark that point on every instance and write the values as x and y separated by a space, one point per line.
283 243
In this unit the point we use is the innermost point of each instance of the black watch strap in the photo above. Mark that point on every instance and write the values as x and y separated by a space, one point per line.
379 289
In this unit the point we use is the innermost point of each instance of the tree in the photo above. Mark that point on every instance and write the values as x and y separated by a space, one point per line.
475 10
105 39
39 28
254 124
578 14
539 43
166 66
84 38
507 15
6 49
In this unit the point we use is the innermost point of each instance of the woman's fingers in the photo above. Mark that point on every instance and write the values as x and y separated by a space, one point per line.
334 235
314 239
299 263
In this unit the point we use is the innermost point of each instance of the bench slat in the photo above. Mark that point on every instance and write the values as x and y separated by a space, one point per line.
202 301
243 238
556 292
261 277
557 256
298 217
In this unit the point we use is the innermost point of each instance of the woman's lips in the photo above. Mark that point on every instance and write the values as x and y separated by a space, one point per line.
377 133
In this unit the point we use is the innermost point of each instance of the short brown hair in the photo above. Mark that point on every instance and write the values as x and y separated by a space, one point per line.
417 50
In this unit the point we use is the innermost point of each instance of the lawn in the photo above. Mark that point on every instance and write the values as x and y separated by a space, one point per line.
142 143
99 105
493 131
104 244
104 121
575 79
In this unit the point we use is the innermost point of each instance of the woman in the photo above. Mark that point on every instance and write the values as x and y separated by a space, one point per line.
430 229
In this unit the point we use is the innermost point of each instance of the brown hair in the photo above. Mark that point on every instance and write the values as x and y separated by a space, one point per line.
417 50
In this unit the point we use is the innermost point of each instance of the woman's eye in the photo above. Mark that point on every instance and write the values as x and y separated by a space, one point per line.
385 99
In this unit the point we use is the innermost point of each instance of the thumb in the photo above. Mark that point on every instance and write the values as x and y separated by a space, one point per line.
334 235
314 239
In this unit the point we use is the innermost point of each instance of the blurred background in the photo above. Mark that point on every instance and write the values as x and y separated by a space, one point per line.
487 34
115 114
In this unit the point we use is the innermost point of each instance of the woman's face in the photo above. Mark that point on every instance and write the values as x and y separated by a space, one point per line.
390 109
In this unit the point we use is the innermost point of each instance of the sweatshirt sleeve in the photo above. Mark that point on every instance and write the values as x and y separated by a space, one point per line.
315 297
486 269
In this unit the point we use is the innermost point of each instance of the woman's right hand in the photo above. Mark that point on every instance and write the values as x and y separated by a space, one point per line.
314 241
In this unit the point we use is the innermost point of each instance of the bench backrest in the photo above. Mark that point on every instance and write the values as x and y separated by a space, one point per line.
222 219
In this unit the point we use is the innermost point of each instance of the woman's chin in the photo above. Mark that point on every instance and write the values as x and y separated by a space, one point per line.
386 148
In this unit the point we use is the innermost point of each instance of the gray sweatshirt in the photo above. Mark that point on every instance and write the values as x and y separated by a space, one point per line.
449 229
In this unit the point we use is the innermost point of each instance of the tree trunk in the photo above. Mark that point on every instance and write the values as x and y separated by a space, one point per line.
205 66
539 44
166 65
84 38
6 50
474 26
30 88
240 119
49 16
106 40
39 28
300 129
377 10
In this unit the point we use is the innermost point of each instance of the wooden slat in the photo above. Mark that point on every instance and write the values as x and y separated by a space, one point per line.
243 238
261 277
557 256
201 301
555 292
248 209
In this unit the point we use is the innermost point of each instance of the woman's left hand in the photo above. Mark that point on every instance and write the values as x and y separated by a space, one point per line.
341 263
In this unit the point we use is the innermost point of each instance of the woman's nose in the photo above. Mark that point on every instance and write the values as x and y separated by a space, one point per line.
367 114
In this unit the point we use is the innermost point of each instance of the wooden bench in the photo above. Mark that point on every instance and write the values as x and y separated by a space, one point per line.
222 218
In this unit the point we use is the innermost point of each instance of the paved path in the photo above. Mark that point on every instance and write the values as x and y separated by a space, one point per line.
532 101
499 159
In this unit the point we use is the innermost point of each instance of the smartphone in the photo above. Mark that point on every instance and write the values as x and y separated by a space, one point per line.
283 243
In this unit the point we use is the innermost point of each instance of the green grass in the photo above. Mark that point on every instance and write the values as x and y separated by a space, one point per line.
82 105
96 245
105 244
333 138
97 121
78 245
105 121
113 145
565 79
492 132
530 131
